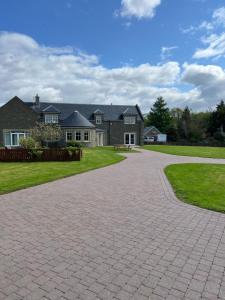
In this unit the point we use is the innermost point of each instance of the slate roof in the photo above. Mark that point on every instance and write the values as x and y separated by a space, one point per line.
76 119
129 112
98 112
147 129
111 112
51 109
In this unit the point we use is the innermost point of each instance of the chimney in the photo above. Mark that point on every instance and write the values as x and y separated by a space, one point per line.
37 101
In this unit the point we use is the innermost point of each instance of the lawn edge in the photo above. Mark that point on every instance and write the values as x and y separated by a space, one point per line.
186 155
66 176
180 198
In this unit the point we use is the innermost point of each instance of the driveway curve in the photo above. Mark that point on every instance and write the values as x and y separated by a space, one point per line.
113 233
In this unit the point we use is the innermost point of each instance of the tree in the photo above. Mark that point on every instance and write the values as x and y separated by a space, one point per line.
176 114
200 123
186 122
47 133
159 116
217 119
220 113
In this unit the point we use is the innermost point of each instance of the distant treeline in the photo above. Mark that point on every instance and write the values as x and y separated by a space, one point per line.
186 127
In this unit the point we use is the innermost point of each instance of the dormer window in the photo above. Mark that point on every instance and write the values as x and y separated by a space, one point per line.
129 120
98 119
51 118
98 116
51 114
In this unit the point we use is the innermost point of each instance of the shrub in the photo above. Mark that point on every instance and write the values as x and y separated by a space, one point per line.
74 144
36 154
71 150
28 143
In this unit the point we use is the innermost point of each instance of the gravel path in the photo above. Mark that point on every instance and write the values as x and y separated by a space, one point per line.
113 233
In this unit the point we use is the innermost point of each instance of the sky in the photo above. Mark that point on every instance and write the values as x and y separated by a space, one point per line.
114 51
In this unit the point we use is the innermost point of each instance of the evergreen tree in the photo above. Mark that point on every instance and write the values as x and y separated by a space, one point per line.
220 112
159 116
217 119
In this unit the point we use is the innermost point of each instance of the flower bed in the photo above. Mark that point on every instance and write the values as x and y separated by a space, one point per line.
19 155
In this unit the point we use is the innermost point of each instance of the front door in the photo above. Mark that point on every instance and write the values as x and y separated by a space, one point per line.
129 138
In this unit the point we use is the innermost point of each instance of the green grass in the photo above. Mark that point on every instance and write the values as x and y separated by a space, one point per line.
15 176
202 185
213 152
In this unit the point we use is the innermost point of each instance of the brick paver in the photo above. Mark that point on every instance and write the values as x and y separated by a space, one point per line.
113 233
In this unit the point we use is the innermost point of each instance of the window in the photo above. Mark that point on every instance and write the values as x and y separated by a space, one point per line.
98 119
12 138
69 136
86 136
78 136
7 139
51 118
129 120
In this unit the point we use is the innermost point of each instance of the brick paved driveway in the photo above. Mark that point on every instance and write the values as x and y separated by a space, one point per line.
113 233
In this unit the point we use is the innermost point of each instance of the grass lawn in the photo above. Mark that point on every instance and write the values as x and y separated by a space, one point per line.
15 176
199 184
213 152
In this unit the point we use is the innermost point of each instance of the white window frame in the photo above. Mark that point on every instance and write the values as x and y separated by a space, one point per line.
130 133
51 118
88 136
70 132
78 140
98 119
129 120
18 134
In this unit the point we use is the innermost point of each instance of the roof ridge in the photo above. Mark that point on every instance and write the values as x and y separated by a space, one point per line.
67 103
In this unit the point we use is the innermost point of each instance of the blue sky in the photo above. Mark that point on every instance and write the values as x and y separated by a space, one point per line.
119 51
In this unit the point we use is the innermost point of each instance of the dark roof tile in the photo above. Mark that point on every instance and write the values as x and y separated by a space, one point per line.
129 112
51 109
76 120
98 112
111 112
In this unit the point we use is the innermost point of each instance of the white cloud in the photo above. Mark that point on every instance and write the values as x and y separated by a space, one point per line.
208 26
66 74
204 26
214 38
217 21
216 47
138 8
219 16
209 80
59 74
166 52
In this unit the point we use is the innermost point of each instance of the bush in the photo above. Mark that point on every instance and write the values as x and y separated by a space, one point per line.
71 150
74 144
28 143
36 154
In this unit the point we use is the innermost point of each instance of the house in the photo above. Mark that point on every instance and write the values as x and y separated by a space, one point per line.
152 134
91 124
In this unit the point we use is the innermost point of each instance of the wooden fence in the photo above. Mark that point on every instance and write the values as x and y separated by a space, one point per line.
21 155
